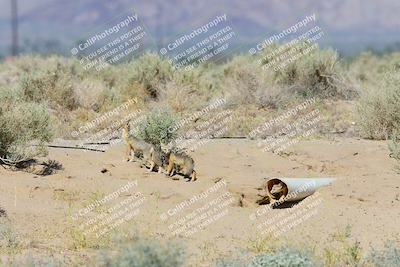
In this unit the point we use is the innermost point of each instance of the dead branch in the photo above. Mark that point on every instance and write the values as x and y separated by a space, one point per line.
9 162
76 147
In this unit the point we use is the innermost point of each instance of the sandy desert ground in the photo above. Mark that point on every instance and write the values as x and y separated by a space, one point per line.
365 197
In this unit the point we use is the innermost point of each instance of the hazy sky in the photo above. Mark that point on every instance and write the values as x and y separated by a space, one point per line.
350 25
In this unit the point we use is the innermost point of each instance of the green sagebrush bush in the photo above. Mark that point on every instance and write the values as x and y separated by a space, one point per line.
151 71
379 108
230 263
370 68
8 238
241 81
394 145
286 257
147 254
49 88
283 258
158 127
21 124
48 80
313 72
387 257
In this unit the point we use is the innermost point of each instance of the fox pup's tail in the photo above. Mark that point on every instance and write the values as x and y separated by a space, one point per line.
194 175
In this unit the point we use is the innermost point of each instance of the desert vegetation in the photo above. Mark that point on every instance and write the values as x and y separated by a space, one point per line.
56 96
147 253
43 98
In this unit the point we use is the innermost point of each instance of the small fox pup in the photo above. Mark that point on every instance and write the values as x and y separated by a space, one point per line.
277 192
156 159
136 147
181 163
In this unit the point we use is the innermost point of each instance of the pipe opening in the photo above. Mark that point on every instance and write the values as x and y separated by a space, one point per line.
276 189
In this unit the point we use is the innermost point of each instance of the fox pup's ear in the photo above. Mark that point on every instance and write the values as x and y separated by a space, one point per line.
164 147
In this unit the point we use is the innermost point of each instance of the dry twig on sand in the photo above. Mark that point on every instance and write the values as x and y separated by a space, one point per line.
34 166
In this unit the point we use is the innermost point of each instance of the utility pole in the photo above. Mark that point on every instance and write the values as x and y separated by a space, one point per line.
14 28
161 24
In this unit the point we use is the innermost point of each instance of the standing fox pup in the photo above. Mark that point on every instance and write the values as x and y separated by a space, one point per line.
180 163
156 159
136 146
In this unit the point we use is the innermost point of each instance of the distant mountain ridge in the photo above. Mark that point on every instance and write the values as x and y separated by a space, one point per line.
367 22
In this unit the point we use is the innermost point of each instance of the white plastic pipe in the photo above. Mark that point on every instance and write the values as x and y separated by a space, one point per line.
299 188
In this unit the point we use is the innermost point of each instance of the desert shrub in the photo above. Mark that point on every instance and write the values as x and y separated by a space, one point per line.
369 68
316 73
22 123
379 109
49 87
275 97
190 89
283 258
33 90
151 71
123 82
342 249
32 260
230 263
109 99
387 257
8 239
206 79
148 254
366 67
12 71
62 83
46 79
277 257
241 81
158 127
111 76
133 89
178 97
394 145
90 93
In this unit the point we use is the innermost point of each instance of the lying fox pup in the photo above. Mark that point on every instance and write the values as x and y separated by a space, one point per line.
180 163
136 147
